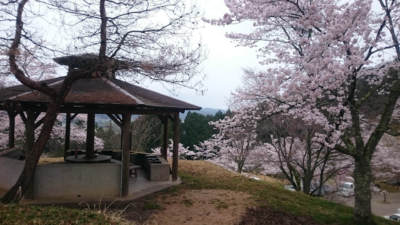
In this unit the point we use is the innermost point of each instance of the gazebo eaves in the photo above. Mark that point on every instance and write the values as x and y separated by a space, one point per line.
99 93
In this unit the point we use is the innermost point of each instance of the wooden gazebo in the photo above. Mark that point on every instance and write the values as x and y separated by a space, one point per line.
97 95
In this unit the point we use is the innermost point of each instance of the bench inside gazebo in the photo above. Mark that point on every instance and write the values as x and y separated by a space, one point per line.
93 175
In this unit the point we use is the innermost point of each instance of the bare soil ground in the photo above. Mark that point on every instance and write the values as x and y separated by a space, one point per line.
50 160
266 216
379 207
197 207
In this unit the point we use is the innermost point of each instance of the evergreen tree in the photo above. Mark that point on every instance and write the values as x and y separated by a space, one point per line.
196 128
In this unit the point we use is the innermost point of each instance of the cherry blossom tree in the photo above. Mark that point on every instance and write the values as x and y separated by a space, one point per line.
236 138
78 132
19 130
207 150
291 147
184 153
317 53
385 166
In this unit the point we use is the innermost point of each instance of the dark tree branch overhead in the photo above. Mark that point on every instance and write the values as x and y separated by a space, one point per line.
14 50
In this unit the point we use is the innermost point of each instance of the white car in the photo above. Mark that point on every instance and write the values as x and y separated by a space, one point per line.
346 189
289 187
254 178
394 217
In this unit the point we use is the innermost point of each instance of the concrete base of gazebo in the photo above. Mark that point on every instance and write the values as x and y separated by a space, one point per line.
76 182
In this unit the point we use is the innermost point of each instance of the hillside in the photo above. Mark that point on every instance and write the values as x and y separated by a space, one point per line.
203 111
208 194
103 120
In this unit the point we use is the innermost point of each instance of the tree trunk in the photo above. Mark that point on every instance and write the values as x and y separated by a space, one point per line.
29 132
25 179
362 181
11 129
307 184
90 136
240 165
67 134
28 145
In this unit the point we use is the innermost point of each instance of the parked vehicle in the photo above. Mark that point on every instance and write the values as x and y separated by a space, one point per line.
289 187
325 189
394 217
254 178
346 189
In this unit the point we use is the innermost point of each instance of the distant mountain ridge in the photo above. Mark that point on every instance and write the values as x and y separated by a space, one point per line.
203 111
102 119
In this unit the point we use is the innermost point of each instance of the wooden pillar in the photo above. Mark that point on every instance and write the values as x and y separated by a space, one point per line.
90 136
126 125
67 134
130 137
121 137
11 128
175 147
164 148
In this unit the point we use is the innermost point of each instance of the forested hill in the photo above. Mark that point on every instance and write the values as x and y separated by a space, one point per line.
101 119
203 111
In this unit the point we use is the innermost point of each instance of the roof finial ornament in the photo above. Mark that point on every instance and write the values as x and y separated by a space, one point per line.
91 62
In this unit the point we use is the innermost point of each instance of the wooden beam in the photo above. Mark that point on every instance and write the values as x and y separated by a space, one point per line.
38 123
36 114
115 119
11 128
126 125
175 149
164 148
67 134
118 117
103 109
73 116
90 135
23 117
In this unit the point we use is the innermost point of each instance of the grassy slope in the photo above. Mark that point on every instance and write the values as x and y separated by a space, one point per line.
197 175
200 175
22 214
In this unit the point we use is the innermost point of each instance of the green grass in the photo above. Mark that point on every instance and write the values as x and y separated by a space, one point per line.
151 205
195 175
43 215
204 175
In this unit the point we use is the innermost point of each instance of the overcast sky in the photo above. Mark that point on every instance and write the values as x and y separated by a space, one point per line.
223 65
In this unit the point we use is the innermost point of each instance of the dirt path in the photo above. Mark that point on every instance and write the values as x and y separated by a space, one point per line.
198 207
379 208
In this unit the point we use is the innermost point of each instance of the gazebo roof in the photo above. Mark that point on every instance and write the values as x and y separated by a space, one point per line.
101 95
